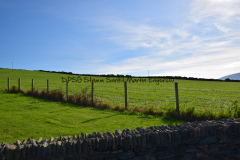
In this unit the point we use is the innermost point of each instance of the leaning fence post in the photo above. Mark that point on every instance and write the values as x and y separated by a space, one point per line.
177 101
19 83
125 86
8 84
92 94
67 90
47 88
32 87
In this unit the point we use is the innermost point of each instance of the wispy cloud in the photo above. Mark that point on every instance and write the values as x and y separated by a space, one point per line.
217 10
199 38
182 50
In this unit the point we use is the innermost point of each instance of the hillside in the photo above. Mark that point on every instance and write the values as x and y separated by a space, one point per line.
235 76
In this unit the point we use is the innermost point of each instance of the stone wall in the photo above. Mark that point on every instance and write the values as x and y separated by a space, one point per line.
216 140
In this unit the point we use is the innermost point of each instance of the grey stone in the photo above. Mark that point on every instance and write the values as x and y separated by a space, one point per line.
110 144
58 147
183 135
217 145
39 151
208 140
165 135
169 138
69 147
114 146
147 138
18 142
151 138
229 129
130 141
63 148
111 159
144 143
233 141
51 139
99 134
53 146
194 134
177 136
134 137
189 131
93 143
85 146
139 138
94 134
118 132
18 151
82 135
78 137
89 143
105 143
44 149
224 153
126 155
148 151
202 131
29 151
192 148
97 143
220 130
78 148
34 148
157 137
10 151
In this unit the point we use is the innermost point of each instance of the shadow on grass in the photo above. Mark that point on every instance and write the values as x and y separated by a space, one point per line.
94 119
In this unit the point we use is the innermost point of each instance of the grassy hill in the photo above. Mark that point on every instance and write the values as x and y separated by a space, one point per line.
24 116
198 98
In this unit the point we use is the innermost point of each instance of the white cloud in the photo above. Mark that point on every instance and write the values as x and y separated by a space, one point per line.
220 10
192 48
221 28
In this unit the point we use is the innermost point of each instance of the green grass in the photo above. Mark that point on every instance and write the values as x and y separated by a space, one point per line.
24 117
198 99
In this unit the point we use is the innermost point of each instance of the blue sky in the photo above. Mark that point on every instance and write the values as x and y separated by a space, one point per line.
193 38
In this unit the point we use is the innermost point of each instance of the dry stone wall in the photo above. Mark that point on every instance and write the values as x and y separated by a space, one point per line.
210 140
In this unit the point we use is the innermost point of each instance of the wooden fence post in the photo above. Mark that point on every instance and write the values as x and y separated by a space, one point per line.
32 87
19 83
67 90
92 94
47 88
125 86
177 101
8 84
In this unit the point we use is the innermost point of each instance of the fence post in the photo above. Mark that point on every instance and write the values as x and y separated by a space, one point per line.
92 94
125 86
19 83
47 88
177 101
67 90
8 84
32 87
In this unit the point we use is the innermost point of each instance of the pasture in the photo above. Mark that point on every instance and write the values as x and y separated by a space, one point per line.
199 99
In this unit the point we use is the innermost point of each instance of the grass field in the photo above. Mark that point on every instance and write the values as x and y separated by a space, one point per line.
199 99
24 117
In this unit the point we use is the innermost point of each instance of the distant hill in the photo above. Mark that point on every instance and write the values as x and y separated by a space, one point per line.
235 76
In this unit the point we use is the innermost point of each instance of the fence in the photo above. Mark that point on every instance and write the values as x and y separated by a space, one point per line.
92 92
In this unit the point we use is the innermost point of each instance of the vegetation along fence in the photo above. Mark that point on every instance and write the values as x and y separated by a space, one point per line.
92 92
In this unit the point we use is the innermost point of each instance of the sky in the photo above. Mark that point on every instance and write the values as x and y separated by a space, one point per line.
192 38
